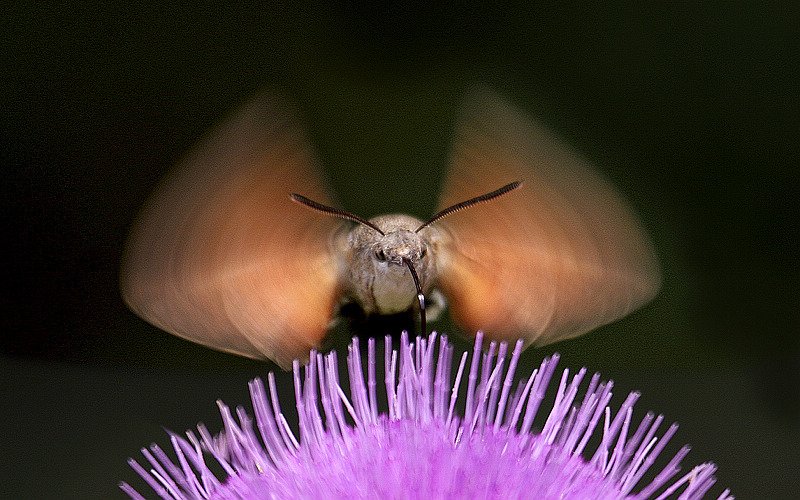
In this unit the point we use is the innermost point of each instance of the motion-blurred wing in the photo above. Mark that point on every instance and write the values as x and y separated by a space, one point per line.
559 256
221 256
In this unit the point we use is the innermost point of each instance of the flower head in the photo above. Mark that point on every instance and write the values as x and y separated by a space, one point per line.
421 448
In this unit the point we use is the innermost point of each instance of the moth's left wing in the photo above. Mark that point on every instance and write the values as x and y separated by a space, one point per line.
559 256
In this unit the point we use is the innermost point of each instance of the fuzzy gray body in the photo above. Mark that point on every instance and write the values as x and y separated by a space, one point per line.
374 273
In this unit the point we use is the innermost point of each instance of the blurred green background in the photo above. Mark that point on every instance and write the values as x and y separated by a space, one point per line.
689 108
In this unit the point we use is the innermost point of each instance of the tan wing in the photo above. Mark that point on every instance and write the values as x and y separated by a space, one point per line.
221 256
559 256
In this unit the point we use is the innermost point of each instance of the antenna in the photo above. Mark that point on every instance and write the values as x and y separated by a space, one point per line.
472 201
336 212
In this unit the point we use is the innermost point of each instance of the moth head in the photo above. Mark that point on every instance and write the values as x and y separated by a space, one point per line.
396 244
384 250
384 243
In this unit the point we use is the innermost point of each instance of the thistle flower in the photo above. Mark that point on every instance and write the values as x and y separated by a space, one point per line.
421 448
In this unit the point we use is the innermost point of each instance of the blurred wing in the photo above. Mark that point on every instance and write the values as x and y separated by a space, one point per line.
221 256
559 256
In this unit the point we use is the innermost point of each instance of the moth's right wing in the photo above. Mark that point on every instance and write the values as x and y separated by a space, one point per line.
221 256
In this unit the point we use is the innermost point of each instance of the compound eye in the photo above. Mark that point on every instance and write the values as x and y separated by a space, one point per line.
380 255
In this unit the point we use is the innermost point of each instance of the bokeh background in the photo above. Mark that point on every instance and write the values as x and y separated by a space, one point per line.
689 109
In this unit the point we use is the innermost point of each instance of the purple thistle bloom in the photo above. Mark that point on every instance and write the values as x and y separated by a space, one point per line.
421 449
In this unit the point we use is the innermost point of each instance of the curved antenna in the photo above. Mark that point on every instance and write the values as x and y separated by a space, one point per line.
420 295
336 212
472 201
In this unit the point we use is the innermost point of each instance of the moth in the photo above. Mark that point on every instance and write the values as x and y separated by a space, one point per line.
242 248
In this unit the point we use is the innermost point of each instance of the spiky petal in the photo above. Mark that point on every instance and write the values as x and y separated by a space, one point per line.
420 448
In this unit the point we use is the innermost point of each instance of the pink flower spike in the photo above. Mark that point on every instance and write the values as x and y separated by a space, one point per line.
421 449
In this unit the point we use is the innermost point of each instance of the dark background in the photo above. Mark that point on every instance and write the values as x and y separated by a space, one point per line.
689 109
